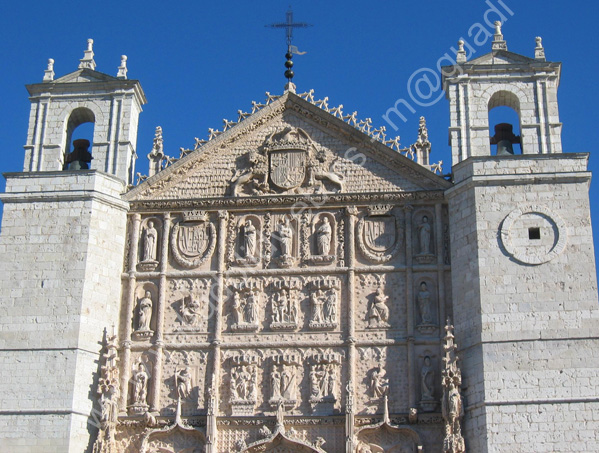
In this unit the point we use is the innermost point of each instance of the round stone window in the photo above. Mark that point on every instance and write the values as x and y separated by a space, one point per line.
533 234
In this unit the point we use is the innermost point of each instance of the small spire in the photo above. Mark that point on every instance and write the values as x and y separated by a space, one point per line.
290 86
87 62
461 55
122 74
49 73
539 50
498 41
386 418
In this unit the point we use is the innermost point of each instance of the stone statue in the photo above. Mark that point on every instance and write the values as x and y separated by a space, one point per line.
379 384
275 381
249 239
237 309
424 236
251 309
323 237
285 236
150 239
330 307
427 379
323 379
424 304
288 384
140 384
317 306
378 313
145 312
183 380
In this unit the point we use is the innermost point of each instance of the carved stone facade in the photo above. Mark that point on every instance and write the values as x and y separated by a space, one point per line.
279 294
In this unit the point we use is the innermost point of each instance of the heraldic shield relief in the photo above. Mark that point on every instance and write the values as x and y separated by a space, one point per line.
288 168
193 239
379 233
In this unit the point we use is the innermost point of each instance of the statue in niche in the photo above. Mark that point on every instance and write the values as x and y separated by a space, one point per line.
288 383
251 309
281 305
237 309
330 307
150 239
423 299
140 385
275 380
317 306
427 379
323 379
109 405
378 313
249 240
285 236
424 236
243 386
379 384
145 312
183 383
323 237
190 310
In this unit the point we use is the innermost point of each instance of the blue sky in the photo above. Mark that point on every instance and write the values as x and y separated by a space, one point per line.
200 62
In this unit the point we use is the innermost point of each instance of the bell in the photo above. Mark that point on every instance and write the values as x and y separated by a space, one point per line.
80 158
504 138
504 147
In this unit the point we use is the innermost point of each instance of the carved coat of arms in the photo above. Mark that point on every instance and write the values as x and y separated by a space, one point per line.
288 168
193 239
379 233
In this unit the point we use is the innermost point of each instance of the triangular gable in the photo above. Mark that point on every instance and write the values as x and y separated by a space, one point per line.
362 164
501 57
85 75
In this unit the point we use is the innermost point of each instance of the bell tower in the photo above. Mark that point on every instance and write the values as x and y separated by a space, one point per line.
61 254
524 287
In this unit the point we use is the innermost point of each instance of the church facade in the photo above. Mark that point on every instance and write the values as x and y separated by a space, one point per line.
300 282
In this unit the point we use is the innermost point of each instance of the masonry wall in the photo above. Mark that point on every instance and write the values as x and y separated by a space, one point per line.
61 250
539 331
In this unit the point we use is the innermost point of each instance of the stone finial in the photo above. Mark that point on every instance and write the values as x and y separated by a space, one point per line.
49 73
87 62
122 74
539 50
290 86
498 41
461 55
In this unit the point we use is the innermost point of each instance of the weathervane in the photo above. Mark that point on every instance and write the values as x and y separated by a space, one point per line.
289 25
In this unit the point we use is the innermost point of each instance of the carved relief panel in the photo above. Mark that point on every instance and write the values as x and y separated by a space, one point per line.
246 305
381 303
285 378
324 300
189 305
284 304
244 383
325 381
184 377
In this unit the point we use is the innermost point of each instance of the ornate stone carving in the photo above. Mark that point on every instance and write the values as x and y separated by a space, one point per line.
149 247
424 233
109 391
322 243
379 237
248 250
140 378
246 305
324 304
285 305
426 309
284 379
193 239
190 300
243 384
287 161
183 383
324 379
379 383
452 406
378 313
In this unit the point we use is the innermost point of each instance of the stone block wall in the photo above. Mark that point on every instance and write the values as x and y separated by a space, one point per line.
61 255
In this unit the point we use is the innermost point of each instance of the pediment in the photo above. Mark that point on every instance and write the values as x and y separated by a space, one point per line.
501 57
85 75
290 147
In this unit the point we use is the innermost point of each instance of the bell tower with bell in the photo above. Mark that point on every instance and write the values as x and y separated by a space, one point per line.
61 254
524 286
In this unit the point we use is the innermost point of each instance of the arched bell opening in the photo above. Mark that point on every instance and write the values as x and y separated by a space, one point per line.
504 124
79 139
